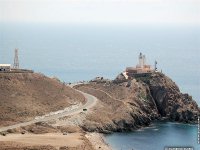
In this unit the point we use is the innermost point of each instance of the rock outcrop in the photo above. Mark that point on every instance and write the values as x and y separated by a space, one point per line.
171 103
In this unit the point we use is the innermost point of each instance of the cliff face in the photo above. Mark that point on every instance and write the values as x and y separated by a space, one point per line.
171 103
127 105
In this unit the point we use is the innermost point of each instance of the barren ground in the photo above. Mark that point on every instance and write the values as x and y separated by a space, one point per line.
56 140
26 95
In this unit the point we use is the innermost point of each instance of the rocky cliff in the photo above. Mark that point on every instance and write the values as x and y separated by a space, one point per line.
171 103
129 104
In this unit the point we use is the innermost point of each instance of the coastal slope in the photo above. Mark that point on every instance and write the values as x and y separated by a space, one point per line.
130 104
27 95
121 105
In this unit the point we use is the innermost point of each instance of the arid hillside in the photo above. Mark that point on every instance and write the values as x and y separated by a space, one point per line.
26 95
119 107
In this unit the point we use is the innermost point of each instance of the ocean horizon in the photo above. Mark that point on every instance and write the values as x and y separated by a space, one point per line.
79 40
77 53
81 52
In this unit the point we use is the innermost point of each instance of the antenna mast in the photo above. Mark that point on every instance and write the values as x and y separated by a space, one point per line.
155 67
16 60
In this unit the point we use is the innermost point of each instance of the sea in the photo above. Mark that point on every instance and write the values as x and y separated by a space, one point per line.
81 52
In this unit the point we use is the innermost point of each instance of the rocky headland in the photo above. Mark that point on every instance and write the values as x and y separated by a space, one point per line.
122 105
130 104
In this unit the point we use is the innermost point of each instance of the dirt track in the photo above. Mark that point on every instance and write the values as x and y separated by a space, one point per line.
91 101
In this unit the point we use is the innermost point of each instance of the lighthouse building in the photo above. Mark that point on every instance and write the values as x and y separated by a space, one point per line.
141 67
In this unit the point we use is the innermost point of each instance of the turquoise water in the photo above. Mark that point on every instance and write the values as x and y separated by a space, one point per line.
156 137
80 52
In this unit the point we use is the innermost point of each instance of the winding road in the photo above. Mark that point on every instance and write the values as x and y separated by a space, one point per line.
91 101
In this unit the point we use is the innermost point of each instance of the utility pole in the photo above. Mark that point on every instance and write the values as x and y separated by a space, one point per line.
156 66
16 60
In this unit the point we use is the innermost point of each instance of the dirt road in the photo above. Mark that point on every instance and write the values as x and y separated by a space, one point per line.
91 101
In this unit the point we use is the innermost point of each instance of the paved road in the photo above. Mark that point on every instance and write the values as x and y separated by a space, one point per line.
91 101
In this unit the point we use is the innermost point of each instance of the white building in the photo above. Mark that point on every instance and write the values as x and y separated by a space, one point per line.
141 67
5 67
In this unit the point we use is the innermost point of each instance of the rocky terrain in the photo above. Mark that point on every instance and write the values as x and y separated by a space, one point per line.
123 105
26 95
171 103
130 104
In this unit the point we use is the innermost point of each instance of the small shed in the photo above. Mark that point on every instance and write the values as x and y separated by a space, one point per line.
5 67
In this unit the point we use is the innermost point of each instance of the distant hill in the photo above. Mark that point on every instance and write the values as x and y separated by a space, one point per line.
26 95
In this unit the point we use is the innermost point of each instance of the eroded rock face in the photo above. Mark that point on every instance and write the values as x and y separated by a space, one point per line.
122 106
171 103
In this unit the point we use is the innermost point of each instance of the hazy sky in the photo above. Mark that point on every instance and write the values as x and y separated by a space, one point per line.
101 11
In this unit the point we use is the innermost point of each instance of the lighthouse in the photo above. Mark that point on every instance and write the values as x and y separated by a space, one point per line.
141 68
141 62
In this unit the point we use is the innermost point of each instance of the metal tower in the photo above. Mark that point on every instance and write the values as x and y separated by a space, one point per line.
155 67
16 60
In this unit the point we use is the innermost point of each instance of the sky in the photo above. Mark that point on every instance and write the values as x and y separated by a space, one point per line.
173 12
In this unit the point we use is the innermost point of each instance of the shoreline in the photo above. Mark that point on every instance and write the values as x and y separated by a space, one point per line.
91 140
148 134
108 109
98 141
